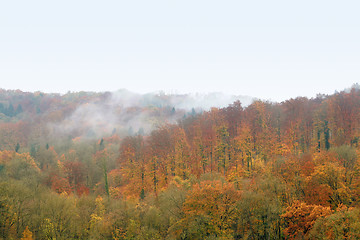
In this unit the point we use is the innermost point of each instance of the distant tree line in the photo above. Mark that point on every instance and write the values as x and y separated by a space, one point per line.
10 111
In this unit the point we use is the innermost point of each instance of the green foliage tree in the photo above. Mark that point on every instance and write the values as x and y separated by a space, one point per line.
209 210
343 224
259 211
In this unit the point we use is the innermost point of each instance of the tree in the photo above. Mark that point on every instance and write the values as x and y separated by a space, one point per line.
17 202
343 224
23 167
101 158
182 154
133 165
74 172
18 109
222 148
2 108
101 144
10 111
17 147
343 111
245 146
260 208
331 178
300 218
27 234
209 210
233 116
347 157
59 213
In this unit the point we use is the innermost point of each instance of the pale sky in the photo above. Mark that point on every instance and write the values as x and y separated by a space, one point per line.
267 49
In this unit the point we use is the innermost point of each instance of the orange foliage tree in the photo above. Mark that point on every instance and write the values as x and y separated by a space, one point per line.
300 218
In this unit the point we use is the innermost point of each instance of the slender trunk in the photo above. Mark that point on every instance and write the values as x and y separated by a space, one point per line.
106 182
211 161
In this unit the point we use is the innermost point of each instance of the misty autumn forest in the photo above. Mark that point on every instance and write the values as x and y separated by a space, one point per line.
121 165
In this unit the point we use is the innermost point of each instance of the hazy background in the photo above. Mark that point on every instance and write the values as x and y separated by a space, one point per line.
266 49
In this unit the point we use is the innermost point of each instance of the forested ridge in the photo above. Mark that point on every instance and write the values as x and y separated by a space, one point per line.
286 170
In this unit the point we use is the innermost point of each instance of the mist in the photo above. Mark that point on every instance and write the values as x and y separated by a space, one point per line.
127 113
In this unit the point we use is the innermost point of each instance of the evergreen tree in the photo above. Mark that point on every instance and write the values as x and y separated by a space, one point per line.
17 147
101 145
2 109
33 150
18 109
10 111
142 194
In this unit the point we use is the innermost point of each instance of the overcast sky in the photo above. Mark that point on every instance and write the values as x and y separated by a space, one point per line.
267 49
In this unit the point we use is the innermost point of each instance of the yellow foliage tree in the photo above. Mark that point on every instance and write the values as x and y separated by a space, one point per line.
27 234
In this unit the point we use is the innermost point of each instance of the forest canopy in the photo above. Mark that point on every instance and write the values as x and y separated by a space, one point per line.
91 166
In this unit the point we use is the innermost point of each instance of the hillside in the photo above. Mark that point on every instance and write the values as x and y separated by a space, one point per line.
34 119
127 166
